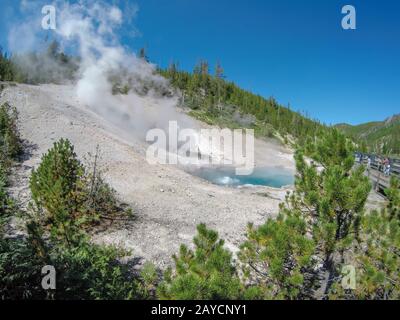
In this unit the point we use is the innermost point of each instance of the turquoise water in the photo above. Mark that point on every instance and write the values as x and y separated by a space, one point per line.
226 176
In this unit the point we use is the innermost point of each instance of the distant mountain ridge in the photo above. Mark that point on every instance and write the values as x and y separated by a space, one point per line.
377 136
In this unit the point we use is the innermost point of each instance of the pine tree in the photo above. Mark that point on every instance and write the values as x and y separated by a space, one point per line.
84 270
320 221
7 72
205 273
10 141
143 54
56 187
332 195
375 255
377 259
219 75
276 256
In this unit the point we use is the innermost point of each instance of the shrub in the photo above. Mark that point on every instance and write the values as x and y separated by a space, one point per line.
100 199
3 193
275 256
376 261
56 186
10 142
206 273
6 203
69 195
89 271
10 148
83 270
20 270
393 195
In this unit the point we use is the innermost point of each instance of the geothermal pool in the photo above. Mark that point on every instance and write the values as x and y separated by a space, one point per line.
226 176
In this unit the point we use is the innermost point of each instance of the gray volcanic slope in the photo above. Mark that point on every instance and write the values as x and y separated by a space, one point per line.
167 201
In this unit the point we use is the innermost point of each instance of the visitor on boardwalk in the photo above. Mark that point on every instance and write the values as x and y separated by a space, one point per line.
387 167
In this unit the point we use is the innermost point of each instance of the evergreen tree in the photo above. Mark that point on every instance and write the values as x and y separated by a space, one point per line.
205 273
10 142
7 72
332 197
377 259
84 270
56 186
375 256
143 54
276 256
219 75
320 221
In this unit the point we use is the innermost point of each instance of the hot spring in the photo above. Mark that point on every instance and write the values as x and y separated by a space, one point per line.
275 177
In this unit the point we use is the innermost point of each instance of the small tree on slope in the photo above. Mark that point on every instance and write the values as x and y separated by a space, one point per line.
332 197
205 273
321 219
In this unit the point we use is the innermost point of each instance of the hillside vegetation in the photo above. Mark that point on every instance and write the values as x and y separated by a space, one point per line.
215 100
382 137
209 95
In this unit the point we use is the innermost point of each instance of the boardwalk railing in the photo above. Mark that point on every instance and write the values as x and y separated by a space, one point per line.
376 169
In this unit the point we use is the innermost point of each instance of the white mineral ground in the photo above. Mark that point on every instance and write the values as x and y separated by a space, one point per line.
168 203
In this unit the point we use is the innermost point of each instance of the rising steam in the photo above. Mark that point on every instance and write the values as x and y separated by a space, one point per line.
89 28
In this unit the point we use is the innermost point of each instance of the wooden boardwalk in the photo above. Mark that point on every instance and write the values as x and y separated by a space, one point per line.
380 182
375 172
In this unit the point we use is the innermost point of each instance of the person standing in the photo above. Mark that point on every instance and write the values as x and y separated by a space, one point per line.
387 168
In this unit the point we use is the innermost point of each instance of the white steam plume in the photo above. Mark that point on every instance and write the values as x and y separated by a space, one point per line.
90 28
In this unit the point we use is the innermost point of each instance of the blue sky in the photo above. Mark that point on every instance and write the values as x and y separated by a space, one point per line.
293 50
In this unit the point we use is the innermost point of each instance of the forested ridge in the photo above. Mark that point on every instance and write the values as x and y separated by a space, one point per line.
380 137
212 98
208 94
216 100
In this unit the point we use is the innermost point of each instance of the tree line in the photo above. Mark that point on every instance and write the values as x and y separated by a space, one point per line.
209 95
218 101
49 66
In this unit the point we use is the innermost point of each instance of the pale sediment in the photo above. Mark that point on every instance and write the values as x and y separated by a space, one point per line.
168 202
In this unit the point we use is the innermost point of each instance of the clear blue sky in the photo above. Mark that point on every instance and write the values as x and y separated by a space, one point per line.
293 50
